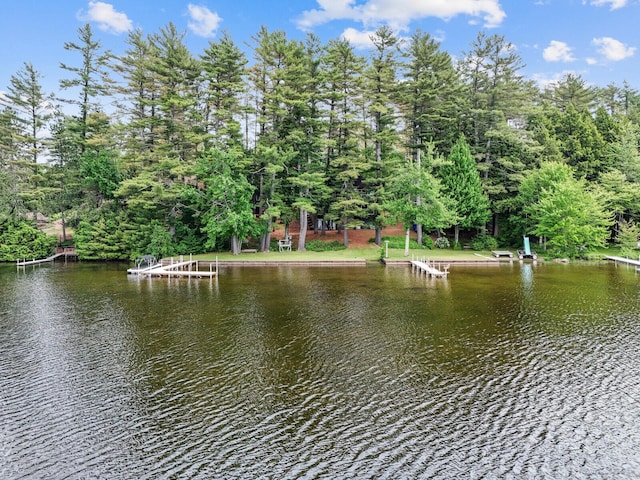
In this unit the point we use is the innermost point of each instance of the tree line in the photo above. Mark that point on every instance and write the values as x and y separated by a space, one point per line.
167 152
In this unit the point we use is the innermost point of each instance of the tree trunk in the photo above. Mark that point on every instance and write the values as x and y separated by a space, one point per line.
345 237
235 245
303 230
265 241
495 225
456 234
64 226
406 242
419 234
378 236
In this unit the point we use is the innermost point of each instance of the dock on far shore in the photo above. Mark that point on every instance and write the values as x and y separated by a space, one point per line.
181 268
627 261
430 268
60 253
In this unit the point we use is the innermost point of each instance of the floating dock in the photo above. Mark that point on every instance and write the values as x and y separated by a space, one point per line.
181 268
430 268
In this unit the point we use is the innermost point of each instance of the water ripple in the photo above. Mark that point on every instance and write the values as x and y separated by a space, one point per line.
314 376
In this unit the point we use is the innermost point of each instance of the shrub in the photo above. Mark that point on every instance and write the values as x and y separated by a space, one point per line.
20 240
442 242
398 242
320 246
482 241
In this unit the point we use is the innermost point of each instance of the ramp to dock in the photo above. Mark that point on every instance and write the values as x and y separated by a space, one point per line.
430 268
67 252
626 261
183 268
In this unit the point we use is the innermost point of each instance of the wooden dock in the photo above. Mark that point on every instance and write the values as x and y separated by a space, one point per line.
626 261
60 253
181 268
430 268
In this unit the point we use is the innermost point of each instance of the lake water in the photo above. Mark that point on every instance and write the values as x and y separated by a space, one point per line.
509 372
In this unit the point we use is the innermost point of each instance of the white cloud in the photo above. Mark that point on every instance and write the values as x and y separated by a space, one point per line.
204 22
615 4
544 81
399 13
591 61
558 52
357 38
613 49
107 18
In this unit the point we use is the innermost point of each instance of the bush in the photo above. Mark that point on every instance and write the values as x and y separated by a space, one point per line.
320 246
427 242
398 242
20 241
482 241
442 242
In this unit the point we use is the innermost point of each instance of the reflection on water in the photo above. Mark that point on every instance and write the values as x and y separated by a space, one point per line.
518 371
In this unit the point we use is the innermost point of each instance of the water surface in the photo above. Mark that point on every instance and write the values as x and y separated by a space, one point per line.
517 371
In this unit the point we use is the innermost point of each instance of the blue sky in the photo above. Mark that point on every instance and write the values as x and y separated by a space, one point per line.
596 39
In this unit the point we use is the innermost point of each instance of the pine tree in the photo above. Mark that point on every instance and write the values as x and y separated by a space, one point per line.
90 78
461 182
429 100
381 91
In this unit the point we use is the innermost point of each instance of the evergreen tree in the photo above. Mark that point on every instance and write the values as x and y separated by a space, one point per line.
461 182
345 163
35 110
498 102
90 78
381 92
224 66
571 92
429 100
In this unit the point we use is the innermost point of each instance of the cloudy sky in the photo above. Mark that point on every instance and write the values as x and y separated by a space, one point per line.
597 39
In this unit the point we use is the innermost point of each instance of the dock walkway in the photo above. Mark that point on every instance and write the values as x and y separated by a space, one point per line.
627 261
67 252
181 268
430 268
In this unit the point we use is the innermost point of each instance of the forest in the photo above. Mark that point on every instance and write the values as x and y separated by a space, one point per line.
164 151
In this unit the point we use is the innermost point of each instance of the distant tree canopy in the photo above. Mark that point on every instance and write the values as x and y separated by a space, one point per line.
165 151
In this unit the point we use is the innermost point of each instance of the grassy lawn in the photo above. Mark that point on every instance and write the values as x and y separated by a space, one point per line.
371 253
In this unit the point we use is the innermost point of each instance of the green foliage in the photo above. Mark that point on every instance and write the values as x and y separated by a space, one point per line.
627 238
482 241
320 246
352 139
104 237
20 241
442 242
160 242
427 242
399 242
100 173
461 182
571 218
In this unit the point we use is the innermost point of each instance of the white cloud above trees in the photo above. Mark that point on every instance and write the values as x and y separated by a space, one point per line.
612 49
398 14
203 22
558 52
107 18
